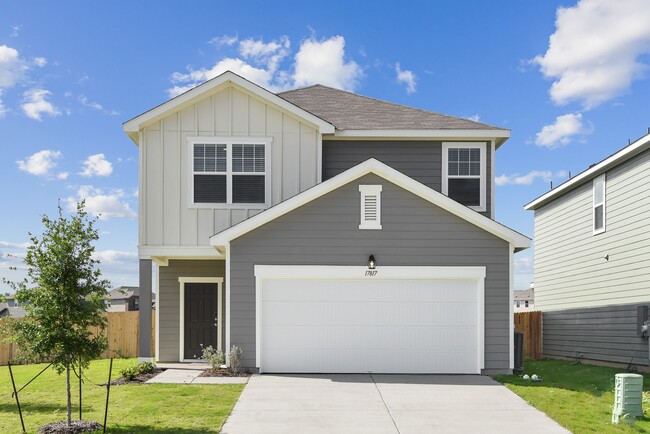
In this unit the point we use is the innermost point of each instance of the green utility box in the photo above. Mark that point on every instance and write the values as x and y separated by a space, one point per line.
628 396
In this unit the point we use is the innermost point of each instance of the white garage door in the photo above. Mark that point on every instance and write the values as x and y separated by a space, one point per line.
385 325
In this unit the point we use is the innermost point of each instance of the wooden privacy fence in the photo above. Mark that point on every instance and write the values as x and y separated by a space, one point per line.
530 324
122 331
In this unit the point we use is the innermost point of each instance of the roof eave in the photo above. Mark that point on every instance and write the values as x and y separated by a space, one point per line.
614 160
519 241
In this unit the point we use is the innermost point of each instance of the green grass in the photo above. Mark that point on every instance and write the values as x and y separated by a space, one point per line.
579 397
133 408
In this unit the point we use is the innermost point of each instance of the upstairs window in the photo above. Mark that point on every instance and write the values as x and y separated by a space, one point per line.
370 206
599 204
229 171
464 173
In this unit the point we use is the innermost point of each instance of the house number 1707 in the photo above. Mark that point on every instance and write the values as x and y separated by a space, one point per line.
371 273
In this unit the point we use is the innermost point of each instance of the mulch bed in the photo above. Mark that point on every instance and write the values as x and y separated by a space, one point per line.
78 426
223 372
137 380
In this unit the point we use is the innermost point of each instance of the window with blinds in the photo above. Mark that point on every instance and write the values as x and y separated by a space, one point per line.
599 204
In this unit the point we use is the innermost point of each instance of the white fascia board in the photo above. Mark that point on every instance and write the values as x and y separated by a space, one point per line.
619 157
132 126
430 134
377 167
162 253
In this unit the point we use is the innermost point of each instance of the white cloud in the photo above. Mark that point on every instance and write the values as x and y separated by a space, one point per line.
594 54
475 118
93 105
13 245
562 131
62 175
96 165
228 40
13 68
35 104
406 77
40 61
529 178
524 265
113 257
40 163
104 205
3 109
260 62
323 62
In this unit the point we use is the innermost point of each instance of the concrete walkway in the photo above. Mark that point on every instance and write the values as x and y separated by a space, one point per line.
403 404
192 376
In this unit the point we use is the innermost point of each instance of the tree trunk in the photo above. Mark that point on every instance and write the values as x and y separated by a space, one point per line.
67 386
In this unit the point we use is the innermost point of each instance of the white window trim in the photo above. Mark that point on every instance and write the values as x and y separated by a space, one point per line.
229 141
182 281
445 169
594 204
370 190
476 273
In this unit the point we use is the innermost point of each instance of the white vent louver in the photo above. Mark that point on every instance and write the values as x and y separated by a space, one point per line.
370 206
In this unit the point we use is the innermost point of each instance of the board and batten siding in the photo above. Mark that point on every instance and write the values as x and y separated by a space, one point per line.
166 219
415 233
570 266
421 160
607 334
168 301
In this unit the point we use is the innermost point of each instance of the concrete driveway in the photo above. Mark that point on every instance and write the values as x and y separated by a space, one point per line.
383 404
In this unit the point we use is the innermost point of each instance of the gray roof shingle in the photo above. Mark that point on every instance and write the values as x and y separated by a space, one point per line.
349 111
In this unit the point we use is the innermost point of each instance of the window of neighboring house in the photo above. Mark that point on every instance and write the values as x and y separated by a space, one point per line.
136 303
464 173
518 303
599 204
108 303
526 303
228 172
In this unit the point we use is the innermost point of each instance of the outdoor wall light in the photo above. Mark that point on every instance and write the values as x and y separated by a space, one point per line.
371 262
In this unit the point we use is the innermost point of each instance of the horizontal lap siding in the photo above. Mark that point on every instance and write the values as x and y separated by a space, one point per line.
415 233
604 333
570 266
421 160
168 300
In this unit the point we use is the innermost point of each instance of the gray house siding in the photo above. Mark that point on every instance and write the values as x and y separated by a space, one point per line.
421 160
415 232
168 300
606 334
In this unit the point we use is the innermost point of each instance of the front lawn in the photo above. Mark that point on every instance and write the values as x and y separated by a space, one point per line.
133 408
579 397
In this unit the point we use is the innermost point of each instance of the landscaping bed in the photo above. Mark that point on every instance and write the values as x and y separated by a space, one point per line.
138 379
579 397
224 372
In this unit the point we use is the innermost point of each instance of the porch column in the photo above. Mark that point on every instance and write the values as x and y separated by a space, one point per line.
144 341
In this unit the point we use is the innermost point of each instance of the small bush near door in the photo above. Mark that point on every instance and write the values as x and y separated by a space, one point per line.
235 358
213 357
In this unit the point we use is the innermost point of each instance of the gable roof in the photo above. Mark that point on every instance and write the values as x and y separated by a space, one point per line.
520 242
593 171
524 294
132 126
123 292
350 111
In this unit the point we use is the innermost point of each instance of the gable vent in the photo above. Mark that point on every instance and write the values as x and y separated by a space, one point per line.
370 206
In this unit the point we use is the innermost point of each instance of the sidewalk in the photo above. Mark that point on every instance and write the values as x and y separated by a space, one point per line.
192 376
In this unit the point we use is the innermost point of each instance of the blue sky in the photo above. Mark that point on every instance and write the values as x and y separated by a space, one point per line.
568 78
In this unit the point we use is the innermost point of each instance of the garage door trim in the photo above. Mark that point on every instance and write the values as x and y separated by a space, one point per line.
320 272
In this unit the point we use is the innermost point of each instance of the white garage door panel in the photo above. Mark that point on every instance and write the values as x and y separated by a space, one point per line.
361 325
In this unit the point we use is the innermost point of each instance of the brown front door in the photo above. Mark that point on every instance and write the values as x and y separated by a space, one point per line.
200 318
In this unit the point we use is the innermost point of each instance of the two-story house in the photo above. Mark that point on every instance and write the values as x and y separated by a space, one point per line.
322 231
592 268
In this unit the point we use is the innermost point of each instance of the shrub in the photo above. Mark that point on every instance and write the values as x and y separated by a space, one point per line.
235 358
213 357
131 373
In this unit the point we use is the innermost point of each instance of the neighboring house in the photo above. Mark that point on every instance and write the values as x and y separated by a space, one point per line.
11 307
322 231
525 300
123 299
592 260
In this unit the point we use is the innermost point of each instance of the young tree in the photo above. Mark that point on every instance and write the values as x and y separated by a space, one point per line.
64 296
